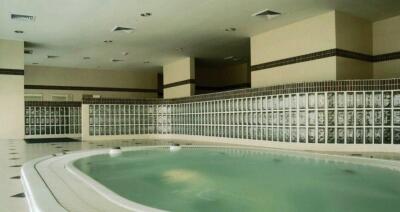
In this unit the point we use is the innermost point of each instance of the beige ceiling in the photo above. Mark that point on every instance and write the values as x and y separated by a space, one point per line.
73 29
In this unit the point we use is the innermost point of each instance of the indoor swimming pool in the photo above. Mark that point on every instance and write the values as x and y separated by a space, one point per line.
244 179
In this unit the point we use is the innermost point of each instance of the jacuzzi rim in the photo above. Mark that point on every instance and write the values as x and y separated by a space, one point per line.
69 159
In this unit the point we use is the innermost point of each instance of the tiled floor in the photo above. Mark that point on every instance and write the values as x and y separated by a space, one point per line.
13 153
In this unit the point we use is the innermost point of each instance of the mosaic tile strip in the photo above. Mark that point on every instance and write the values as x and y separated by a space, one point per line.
183 82
325 86
11 72
80 88
53 104
325 54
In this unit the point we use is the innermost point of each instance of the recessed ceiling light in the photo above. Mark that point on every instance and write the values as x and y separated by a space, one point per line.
146 62
19 17
230 29
108 41
122 29
19 31
146 14
229 58
52 56
86 58
116 60
28 51
266 13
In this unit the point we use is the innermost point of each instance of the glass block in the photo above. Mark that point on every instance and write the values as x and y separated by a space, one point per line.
302 101
281 103
378 136
331 135
321 118
396 117
359 100
287 101
340 100
321 100
311 118
350 135
311 100
368 135
302 118
280 132
387 135
378 117
293 135
387 117
360 118
275 134
340 117
396 135
270 133
293 118
321 135
331 118
331 100
281 119
387 99
368 118
286 134
396 98
369 101
378 99
311 135
302 135
293 101
359 135
340 136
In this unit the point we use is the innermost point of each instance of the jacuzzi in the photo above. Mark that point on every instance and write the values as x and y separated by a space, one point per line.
210 178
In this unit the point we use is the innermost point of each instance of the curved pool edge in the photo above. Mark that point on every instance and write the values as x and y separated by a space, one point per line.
41 198
38 196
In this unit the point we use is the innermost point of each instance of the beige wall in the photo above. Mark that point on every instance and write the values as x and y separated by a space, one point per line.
307 36
327 31
183 69
386 34
39 75
304 37
222 75
11 90
316 70
353 34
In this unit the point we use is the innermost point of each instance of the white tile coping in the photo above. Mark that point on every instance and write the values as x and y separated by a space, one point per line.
54 184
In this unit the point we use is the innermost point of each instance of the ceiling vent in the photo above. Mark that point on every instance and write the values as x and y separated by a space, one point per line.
52 56
28 51
116 60
267 13
122 29
19 17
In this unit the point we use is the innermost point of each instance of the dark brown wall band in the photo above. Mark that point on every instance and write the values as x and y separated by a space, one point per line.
78 88
325 54
11 71
183 82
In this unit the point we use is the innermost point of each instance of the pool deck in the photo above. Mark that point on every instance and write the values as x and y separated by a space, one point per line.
14 153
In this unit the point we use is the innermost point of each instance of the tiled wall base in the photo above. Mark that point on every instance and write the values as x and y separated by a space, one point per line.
267 144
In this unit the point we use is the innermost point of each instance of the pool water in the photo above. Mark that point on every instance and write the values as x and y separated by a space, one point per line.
223 179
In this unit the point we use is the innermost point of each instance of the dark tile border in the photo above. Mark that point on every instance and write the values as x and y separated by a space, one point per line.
11 71
386 57
325 54
80 88
53 104
223 88
183 82
324 86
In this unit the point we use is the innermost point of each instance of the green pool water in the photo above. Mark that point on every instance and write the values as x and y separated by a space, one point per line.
223 179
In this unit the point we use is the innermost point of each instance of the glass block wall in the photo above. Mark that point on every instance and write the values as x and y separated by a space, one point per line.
329 117
52 119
